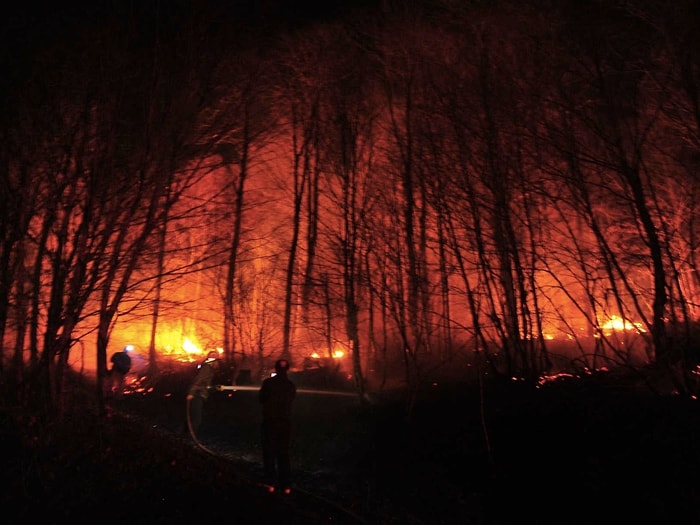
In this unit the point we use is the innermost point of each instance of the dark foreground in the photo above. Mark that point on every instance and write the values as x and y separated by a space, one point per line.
579 452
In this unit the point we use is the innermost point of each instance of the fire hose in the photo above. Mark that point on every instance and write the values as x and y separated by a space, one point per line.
190 427
222 388
341 393
200 445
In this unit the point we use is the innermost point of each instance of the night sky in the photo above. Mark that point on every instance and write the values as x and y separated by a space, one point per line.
27 27
30 28
32 21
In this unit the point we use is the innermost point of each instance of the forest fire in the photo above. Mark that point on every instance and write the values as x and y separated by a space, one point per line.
339 202
414 198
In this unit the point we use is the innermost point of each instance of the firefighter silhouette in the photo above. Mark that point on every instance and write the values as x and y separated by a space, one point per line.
276 395
198 392
121 365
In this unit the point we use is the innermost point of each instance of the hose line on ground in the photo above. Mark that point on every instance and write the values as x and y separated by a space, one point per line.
192 432
201 445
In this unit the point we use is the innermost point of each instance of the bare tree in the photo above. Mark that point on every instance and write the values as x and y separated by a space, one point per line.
301 92
349 194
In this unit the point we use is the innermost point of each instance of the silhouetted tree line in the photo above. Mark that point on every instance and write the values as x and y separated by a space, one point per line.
431 186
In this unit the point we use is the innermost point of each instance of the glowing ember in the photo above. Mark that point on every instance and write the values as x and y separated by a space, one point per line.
617 324
335 354
191 348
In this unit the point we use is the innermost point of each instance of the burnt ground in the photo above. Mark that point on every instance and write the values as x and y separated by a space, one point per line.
574 452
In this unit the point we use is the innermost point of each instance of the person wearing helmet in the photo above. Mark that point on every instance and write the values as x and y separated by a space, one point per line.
276 395
121 365
198 392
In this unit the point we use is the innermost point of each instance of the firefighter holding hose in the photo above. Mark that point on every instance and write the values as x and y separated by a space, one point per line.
276 395
198 392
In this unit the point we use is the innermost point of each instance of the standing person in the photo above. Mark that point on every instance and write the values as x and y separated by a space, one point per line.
121 365
198 392
276 396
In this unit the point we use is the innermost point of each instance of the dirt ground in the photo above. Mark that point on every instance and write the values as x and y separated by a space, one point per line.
574 452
